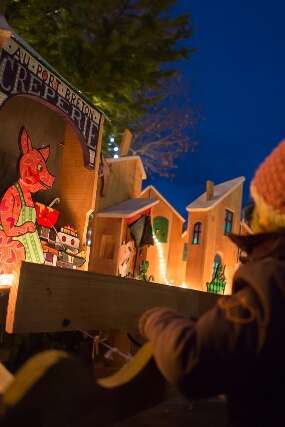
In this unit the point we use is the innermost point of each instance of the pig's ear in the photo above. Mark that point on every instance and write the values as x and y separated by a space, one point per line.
45 152
24 141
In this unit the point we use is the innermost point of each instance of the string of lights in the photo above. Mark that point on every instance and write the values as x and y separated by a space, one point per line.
162 263
113 148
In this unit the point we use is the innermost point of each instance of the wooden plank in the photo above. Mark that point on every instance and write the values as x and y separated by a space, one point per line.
4 295
46 296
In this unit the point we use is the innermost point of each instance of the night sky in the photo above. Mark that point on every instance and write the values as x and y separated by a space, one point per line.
238 81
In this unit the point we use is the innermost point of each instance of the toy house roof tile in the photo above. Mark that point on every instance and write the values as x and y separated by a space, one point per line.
151 187
127 159
127 209
220 192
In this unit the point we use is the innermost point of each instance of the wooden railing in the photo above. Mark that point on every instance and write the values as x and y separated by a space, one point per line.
50 299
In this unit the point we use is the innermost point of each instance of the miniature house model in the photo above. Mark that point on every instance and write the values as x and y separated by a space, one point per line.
167 228
121 218
211 217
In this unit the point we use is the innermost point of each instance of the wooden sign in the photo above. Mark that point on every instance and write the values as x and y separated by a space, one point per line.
23 72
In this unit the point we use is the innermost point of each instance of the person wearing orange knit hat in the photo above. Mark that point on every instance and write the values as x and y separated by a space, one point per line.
268 192
237 348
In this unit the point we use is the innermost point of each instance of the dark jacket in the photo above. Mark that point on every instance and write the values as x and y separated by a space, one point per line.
238 347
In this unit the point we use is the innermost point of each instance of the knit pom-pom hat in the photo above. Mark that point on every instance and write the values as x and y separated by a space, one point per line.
268 191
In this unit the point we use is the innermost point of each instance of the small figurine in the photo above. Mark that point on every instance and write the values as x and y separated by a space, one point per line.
67 242
126 255
61 248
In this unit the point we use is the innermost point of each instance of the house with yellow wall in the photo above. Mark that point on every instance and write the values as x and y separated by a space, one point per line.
165 258
211 217
117 207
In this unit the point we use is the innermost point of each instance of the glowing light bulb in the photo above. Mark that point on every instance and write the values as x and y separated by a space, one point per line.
116 148
6 279
116 156
112 139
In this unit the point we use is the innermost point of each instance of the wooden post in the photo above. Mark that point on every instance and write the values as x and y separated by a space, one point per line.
95 184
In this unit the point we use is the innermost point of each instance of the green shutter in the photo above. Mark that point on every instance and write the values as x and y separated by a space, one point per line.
160 226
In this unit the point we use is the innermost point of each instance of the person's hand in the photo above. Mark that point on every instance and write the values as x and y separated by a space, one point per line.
154 319
144 318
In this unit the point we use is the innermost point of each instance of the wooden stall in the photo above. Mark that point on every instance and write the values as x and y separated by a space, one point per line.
53 133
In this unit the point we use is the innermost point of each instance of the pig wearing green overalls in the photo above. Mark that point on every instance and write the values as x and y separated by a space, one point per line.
19 240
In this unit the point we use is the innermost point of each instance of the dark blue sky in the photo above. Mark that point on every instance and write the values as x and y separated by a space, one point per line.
238 79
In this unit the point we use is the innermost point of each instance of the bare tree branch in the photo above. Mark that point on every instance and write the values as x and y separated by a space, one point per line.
166 132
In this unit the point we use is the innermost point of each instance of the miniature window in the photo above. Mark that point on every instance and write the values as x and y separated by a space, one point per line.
160 228
197 230
107 248
217 262
228 222
185 252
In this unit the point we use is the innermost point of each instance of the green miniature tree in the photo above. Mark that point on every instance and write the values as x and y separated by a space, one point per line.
143 271
218 283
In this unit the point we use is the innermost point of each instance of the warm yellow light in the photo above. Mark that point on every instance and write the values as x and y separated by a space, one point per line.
162 264
7 279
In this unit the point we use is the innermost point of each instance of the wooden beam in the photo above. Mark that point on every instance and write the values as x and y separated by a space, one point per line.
46 296
95 184
4 295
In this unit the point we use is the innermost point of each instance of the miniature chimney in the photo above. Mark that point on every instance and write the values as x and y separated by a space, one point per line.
209 190
125 142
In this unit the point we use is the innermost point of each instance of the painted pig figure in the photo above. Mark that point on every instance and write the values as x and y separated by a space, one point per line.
19 239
